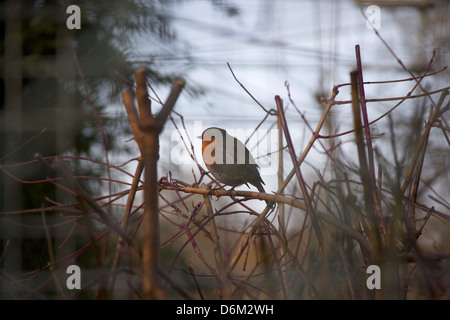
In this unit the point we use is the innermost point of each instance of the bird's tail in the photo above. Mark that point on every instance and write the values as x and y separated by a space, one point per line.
260 188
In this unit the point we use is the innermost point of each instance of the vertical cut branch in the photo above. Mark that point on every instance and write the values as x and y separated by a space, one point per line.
146 130
146 134
281 211
371 228
362 101
150 241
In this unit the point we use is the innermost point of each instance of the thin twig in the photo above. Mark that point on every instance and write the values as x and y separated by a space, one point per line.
221 268
309 206
125 218
272 112
422 141
399 60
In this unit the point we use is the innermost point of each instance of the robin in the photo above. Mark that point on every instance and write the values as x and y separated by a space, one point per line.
229 161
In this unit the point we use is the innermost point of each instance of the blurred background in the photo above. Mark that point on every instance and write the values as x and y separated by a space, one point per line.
61 96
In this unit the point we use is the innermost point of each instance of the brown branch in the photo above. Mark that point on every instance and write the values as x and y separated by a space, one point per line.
281 207
144 105
133 117
177 86
146 129
240 193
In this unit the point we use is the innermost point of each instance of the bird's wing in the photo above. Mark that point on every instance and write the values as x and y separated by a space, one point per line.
237 153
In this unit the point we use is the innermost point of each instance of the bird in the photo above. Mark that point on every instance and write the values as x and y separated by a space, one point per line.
229 160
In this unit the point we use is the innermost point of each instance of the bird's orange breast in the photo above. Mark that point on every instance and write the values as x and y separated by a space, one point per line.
209 155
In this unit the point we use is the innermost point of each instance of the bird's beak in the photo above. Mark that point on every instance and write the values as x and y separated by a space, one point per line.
199 137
